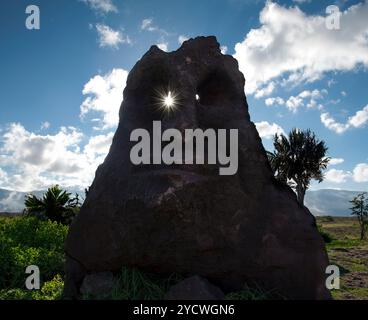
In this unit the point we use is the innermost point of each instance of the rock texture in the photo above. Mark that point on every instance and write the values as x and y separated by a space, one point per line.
194 288
188 219
97 285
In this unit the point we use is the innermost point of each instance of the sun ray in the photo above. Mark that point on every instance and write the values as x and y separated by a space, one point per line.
167 100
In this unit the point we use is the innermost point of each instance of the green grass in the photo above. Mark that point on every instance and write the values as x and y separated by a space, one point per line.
350 253
255 293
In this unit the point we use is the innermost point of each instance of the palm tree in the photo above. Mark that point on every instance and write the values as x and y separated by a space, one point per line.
56 205
298 159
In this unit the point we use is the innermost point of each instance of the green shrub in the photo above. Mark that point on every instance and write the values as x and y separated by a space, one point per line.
327 238
51 290
28 241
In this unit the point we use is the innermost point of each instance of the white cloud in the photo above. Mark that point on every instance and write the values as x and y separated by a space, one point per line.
332 124
293 103
360 173
14 202
277 100
358 120
102 6
164 46
108 37
182 38
147 24
337 176
265 91
335 161
98 145
39 161
290 42
267 130
45 125
3 175
223 49
105 94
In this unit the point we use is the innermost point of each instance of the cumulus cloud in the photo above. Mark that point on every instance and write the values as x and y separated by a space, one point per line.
337 176
108 37
101 6
148 25
308 98
267 130
13 202
45 125
293 103
275 100
182 38
286 45
360 119
265 91
223 49
360 172
164 46
105 94
39 161
335 161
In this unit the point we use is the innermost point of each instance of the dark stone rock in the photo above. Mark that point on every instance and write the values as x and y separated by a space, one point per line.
232 230
194 288
98 285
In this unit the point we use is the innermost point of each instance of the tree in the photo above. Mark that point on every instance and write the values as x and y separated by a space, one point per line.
360 210
56 205
298 159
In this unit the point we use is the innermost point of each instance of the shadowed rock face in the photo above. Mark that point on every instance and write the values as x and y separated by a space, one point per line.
188 219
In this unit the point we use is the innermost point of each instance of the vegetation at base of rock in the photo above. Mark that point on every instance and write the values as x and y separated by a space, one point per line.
56 205
255 293
327 238
133 284
51 290
26 241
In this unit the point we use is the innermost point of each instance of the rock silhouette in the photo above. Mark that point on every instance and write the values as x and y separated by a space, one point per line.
232 230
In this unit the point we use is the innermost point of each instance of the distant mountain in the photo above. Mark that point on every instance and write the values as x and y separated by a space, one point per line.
330 202
13 201
320 202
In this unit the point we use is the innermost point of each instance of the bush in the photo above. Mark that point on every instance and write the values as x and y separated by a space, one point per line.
28 241
51 290
327 238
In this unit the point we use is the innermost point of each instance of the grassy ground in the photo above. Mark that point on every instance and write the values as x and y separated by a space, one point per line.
350 254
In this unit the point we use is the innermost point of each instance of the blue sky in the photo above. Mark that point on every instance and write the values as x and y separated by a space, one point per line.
61 86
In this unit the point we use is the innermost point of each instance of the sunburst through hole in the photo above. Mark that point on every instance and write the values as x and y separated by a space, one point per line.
167 100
